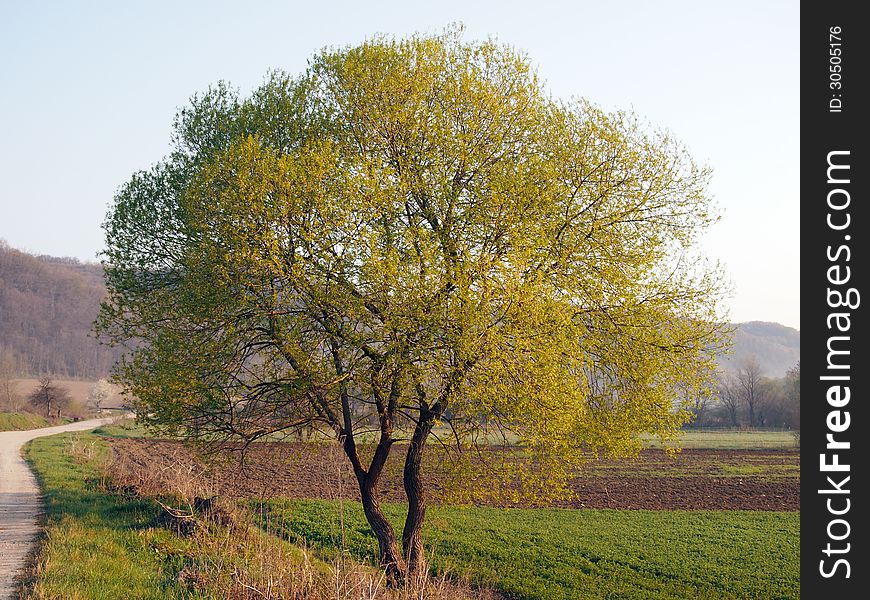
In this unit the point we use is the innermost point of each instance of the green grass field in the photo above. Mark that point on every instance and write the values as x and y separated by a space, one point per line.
98 545
731 439
123 428
715 439
17 421
553 554
719 463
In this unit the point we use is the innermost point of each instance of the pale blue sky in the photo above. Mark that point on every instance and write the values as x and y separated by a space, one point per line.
88 91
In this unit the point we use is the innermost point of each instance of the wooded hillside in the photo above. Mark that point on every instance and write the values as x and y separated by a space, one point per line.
47 307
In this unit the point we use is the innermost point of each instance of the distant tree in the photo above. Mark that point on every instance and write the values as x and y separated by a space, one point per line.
773 408
764 401
793 395
99 393
751 390
413 239
699 408
50 397
728 395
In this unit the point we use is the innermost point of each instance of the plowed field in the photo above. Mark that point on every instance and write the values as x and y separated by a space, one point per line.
695 480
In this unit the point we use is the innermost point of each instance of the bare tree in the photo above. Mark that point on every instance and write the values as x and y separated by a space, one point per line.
751 388
699 408
729 398
50 397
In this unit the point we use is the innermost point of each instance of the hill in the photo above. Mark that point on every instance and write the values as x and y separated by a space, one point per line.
47 307
776 347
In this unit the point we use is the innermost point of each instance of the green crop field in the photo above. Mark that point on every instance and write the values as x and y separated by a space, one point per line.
557 554
731 439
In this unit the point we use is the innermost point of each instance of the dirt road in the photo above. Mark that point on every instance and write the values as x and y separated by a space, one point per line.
19 500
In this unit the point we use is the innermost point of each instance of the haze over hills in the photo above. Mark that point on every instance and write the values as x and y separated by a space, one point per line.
48 305
777 348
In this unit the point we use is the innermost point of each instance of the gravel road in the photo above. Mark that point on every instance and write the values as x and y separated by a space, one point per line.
20 502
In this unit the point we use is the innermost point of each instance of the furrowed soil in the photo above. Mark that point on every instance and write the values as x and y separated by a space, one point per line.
695 479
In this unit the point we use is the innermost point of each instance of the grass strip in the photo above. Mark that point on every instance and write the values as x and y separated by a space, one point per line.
123 428
99 545
732 439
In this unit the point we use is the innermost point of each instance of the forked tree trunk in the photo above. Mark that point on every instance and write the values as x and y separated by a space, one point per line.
412 534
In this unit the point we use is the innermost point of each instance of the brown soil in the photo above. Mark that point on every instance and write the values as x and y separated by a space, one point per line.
696 480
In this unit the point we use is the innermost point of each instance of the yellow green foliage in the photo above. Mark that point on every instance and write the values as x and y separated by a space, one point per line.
413 232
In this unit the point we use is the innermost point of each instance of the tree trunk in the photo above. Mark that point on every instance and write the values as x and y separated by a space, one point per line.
388 548
412 534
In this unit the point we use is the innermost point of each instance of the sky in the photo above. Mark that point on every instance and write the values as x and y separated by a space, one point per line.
88 92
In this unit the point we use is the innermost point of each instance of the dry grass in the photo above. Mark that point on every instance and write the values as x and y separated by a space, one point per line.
238 561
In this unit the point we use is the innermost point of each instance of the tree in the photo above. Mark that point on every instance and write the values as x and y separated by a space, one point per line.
728 394
792 391
52 398
751 388
99 393
412 237
698 408
782 400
